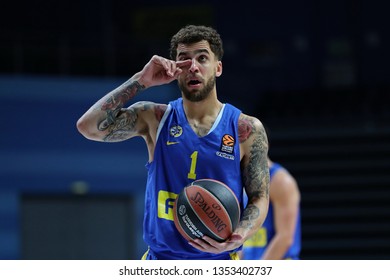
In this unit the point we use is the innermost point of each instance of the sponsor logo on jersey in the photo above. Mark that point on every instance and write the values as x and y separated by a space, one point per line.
172 142
165 202
224 155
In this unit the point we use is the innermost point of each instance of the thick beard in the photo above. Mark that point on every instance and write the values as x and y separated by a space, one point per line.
196 96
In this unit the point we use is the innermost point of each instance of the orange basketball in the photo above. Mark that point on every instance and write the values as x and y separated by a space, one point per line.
206 207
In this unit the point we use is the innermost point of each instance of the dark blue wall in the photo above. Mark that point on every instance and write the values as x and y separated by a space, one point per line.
42 153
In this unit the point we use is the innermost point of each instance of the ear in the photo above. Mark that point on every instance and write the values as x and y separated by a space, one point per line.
219 69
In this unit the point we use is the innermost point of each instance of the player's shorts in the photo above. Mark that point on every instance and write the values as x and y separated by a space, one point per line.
150 256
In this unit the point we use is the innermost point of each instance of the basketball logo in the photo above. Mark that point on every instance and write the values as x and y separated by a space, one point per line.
182 210
227 144
228 140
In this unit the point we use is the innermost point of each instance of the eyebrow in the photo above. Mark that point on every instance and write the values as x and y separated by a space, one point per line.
195 52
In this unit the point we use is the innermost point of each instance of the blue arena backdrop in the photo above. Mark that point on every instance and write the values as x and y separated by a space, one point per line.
44 157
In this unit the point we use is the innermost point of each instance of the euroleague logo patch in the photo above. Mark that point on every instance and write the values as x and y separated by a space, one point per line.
227 144
182 210
227 147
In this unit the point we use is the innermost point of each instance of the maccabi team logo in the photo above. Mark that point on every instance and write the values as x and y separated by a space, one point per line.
176 131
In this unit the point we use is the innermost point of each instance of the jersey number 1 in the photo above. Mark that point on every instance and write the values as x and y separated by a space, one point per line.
194 158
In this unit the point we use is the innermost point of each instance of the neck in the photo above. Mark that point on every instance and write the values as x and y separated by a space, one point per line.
197 111
202 115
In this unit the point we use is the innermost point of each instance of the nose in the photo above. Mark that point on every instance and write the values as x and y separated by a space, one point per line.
194 66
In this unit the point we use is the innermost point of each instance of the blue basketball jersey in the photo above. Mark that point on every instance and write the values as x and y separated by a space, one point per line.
180 157
255 247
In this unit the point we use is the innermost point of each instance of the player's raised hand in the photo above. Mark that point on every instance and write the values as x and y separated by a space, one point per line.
160 70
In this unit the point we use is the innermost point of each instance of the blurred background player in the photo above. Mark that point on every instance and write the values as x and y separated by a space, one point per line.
280 235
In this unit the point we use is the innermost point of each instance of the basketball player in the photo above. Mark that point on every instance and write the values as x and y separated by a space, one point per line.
280 236
184 142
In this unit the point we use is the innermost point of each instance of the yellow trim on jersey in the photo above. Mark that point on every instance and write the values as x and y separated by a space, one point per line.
234 256
145 255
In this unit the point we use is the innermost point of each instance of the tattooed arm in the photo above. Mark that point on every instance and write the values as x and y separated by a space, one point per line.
255 176
108 120
255 171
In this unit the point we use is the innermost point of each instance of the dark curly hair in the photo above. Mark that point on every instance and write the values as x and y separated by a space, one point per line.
195 33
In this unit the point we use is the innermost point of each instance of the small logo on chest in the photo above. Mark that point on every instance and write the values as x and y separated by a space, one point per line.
227 144
227 147
176 131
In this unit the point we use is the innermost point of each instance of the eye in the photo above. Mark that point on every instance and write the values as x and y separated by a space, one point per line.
182 58
202 58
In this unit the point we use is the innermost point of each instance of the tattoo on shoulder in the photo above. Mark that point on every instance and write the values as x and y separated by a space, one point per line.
159 111
245 128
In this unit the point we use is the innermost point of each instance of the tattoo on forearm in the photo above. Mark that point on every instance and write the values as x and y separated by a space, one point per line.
250 214
122 95
256 173
116 101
